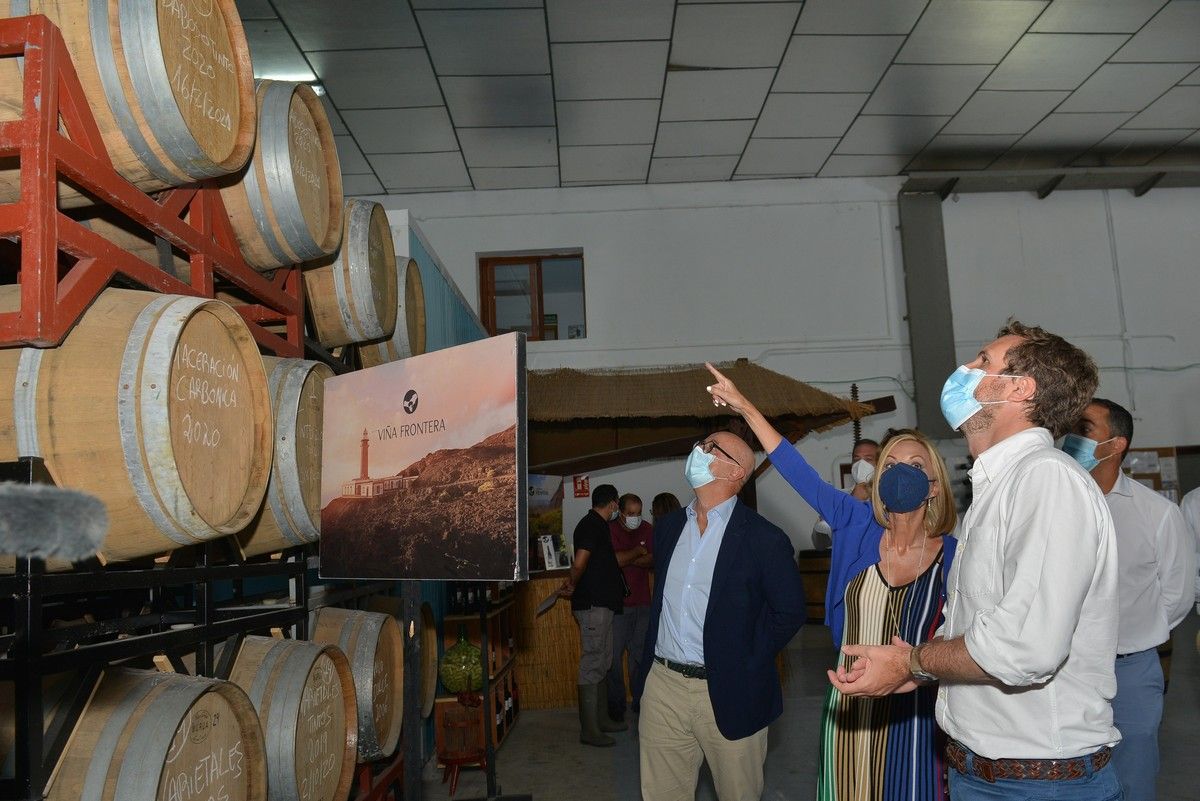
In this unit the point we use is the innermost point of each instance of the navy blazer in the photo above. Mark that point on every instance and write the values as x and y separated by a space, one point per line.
755 607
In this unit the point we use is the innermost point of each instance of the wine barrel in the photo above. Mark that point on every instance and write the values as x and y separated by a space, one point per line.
429 660
353 295
169 84
375 648
814 570
156 404
408 339
304 695
286 206
292 514
148 736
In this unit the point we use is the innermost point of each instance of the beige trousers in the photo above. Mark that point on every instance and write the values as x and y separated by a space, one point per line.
678 732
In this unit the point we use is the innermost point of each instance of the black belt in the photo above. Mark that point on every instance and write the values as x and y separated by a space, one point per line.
683 668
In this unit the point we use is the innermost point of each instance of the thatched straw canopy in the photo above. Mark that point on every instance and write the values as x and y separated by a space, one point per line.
587 419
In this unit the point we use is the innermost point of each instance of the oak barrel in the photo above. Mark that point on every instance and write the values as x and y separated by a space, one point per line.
286 205
408 339
292 513
148 736
353 295
169 84
304 695
373 644
428 644
156 404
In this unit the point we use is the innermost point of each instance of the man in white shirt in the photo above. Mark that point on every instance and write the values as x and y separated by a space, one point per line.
1156 552
1190 506
1025 657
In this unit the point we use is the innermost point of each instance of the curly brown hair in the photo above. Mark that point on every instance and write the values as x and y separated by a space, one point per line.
1066 377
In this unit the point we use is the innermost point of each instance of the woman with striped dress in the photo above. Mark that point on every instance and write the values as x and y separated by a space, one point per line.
887 579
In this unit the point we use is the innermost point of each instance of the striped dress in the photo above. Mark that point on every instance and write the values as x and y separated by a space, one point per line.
885 749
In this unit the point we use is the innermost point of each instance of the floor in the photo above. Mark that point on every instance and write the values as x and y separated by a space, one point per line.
542 756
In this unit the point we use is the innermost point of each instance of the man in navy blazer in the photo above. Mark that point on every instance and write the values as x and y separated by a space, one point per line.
727 599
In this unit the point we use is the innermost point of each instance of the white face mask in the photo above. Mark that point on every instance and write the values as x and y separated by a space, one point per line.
633 521
861 471
614 515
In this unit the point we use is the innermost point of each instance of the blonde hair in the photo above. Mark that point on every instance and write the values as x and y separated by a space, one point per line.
940 513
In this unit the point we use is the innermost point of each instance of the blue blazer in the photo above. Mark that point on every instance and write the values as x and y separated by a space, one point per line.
755 607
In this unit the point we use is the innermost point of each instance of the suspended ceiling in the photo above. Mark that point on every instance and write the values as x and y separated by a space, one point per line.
437 95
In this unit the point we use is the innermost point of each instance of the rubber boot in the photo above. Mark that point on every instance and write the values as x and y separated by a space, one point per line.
606 723
589 729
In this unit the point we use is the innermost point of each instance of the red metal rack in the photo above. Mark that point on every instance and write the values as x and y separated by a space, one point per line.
53 299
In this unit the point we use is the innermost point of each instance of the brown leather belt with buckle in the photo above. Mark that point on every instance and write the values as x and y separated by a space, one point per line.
683 668
1041 769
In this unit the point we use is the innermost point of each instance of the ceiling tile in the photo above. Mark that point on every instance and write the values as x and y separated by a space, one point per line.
609 70
886 135
1124 87
361 185
1192 80
859 16
607 122
926 88
835 63
407 171
1020 159
1173 35
514 177
255 9
1071 132
851 166
734 35
694 168
949 152
808 115
716 138
335 117
1186 153
1131 148
604 163
715 94
509 147
340 26
402 130
612 20
1003 112
421 4
488 42
350 159
785 156
273 52
1053 60
968 31
1096 16
352 78
501 101
1178 108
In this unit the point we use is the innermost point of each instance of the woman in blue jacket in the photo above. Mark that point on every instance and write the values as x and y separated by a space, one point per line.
887 579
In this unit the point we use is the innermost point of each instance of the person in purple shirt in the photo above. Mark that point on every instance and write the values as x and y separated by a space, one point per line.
633 540
887 581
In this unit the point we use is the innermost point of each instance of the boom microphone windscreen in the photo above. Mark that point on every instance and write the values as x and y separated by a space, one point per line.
44 522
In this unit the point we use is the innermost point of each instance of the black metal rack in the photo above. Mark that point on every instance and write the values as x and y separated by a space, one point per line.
179 615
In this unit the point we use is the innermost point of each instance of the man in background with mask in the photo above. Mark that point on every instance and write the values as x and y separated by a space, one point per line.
632 539
726 600
1025 656
596 594
862 467
1156 554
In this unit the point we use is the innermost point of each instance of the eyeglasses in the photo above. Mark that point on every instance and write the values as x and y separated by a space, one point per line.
708 446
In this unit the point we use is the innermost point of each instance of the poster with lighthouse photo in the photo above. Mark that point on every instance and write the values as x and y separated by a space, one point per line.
423 468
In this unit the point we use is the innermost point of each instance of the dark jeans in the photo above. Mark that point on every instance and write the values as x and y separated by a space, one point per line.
629 633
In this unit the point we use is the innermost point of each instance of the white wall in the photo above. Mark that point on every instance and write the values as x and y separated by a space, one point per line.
805 277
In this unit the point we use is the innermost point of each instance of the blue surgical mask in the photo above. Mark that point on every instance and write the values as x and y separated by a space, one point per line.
696 469
1083 450
903 487
958 394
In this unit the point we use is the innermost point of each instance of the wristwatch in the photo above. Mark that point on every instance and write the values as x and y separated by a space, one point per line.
914 665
